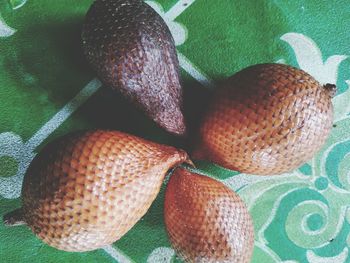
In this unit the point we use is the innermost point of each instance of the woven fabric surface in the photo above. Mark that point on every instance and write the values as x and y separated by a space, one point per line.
47 89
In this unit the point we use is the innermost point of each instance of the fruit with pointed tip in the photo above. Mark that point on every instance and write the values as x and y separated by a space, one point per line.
266 119
132 50
86 190
206 221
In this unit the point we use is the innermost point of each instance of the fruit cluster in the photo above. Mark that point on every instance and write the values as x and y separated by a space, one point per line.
87 189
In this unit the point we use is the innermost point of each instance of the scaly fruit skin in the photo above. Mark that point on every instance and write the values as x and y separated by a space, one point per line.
266 119
132 50
86 190
206 221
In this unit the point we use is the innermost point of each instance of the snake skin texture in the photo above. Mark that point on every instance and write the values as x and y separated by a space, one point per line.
206 221
267 119
132 50
86 190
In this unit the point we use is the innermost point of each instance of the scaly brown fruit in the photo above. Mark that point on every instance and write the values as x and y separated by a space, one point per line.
132 50
206 221
86 190
266 119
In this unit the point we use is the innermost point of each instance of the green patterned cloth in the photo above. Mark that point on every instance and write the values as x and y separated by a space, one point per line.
47 90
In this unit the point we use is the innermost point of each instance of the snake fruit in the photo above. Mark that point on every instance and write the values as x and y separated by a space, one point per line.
206 221
266 119
132 50
86 190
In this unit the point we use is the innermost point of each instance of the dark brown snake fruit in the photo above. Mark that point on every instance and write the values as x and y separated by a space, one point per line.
206 221
86 190
266 119
132 50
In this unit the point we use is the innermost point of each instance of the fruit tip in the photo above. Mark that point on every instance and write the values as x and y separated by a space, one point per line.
14 218
179 129
331 88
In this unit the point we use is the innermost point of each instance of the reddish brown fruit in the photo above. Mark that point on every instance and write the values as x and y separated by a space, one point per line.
206 221
86 190
132 50
266 119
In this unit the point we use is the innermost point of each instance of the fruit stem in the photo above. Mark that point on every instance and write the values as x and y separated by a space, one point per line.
14 218
331 88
